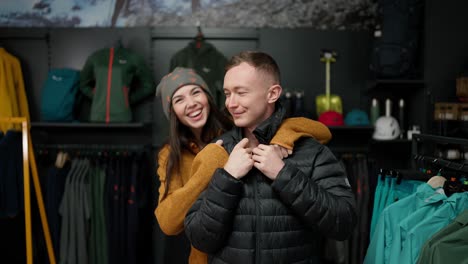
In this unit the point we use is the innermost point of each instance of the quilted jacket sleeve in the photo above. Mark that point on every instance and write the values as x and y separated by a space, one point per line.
324 199
209 221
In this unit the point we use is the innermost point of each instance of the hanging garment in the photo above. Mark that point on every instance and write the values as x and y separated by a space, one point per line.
115 79
13 100
417 230
54 188
98 235
208 62
387 237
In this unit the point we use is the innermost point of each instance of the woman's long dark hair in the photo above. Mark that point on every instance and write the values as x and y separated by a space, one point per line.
180 136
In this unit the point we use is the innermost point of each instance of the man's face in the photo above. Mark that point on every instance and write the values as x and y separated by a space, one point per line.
247 93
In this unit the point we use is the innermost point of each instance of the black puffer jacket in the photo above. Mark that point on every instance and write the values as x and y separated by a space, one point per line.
256 220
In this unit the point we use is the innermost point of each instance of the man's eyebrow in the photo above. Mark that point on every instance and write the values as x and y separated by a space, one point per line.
235 88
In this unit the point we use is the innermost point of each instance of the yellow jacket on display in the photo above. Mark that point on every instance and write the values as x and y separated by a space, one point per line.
13 100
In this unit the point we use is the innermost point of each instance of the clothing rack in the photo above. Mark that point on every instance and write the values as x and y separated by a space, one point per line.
132 147
419 138
29 160
422 141
98 150
406 174
460 167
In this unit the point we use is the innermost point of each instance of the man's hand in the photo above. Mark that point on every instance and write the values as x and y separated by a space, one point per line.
240 160
268 159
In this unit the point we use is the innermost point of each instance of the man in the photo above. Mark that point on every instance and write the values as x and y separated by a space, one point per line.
261 208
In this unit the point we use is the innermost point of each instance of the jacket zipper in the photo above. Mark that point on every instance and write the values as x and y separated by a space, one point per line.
109 84
257 222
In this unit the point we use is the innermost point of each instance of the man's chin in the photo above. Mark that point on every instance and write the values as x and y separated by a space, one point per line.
239 123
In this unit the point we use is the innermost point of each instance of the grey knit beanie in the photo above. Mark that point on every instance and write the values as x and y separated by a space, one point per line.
177 78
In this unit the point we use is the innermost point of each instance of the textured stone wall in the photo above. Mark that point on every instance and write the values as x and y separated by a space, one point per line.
318 14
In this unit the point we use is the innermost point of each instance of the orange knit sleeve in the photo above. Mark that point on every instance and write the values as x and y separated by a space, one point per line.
161 171
294 128
171 210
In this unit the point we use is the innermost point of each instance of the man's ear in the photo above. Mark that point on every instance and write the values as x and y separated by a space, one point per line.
274 93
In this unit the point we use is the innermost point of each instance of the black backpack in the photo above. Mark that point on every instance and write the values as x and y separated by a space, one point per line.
395 51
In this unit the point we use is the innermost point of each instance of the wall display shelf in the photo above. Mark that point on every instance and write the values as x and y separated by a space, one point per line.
393 141
87 125
91 133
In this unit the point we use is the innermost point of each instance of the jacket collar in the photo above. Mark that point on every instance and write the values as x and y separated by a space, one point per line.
267 129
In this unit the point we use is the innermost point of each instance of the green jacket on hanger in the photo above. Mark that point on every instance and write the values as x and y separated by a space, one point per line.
115 79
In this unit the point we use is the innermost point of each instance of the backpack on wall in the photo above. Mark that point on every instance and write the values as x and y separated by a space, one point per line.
59 94
396 43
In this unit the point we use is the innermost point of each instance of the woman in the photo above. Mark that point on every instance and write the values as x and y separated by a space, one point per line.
194 122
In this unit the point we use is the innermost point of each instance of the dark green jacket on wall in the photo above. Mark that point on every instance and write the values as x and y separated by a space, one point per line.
208 62
115 79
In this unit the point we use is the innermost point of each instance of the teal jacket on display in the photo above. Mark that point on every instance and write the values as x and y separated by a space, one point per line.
208 62
115 79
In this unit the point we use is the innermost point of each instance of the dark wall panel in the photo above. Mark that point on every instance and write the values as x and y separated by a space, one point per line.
71 47
298 55
446 49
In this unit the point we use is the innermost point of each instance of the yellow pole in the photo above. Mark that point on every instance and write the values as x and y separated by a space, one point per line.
40 203
27 196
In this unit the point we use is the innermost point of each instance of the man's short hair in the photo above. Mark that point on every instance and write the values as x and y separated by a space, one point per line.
259 60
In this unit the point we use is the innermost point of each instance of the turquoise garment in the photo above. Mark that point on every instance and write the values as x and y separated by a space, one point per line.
405 188
386 235
377 196
384 194
421 229
428 205
391 192
380 198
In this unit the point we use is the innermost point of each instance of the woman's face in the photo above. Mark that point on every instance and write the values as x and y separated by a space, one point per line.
190 104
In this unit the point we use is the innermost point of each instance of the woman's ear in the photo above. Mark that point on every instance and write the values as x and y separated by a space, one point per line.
274 93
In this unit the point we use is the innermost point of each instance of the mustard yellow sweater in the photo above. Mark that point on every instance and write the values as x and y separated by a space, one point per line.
184 188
